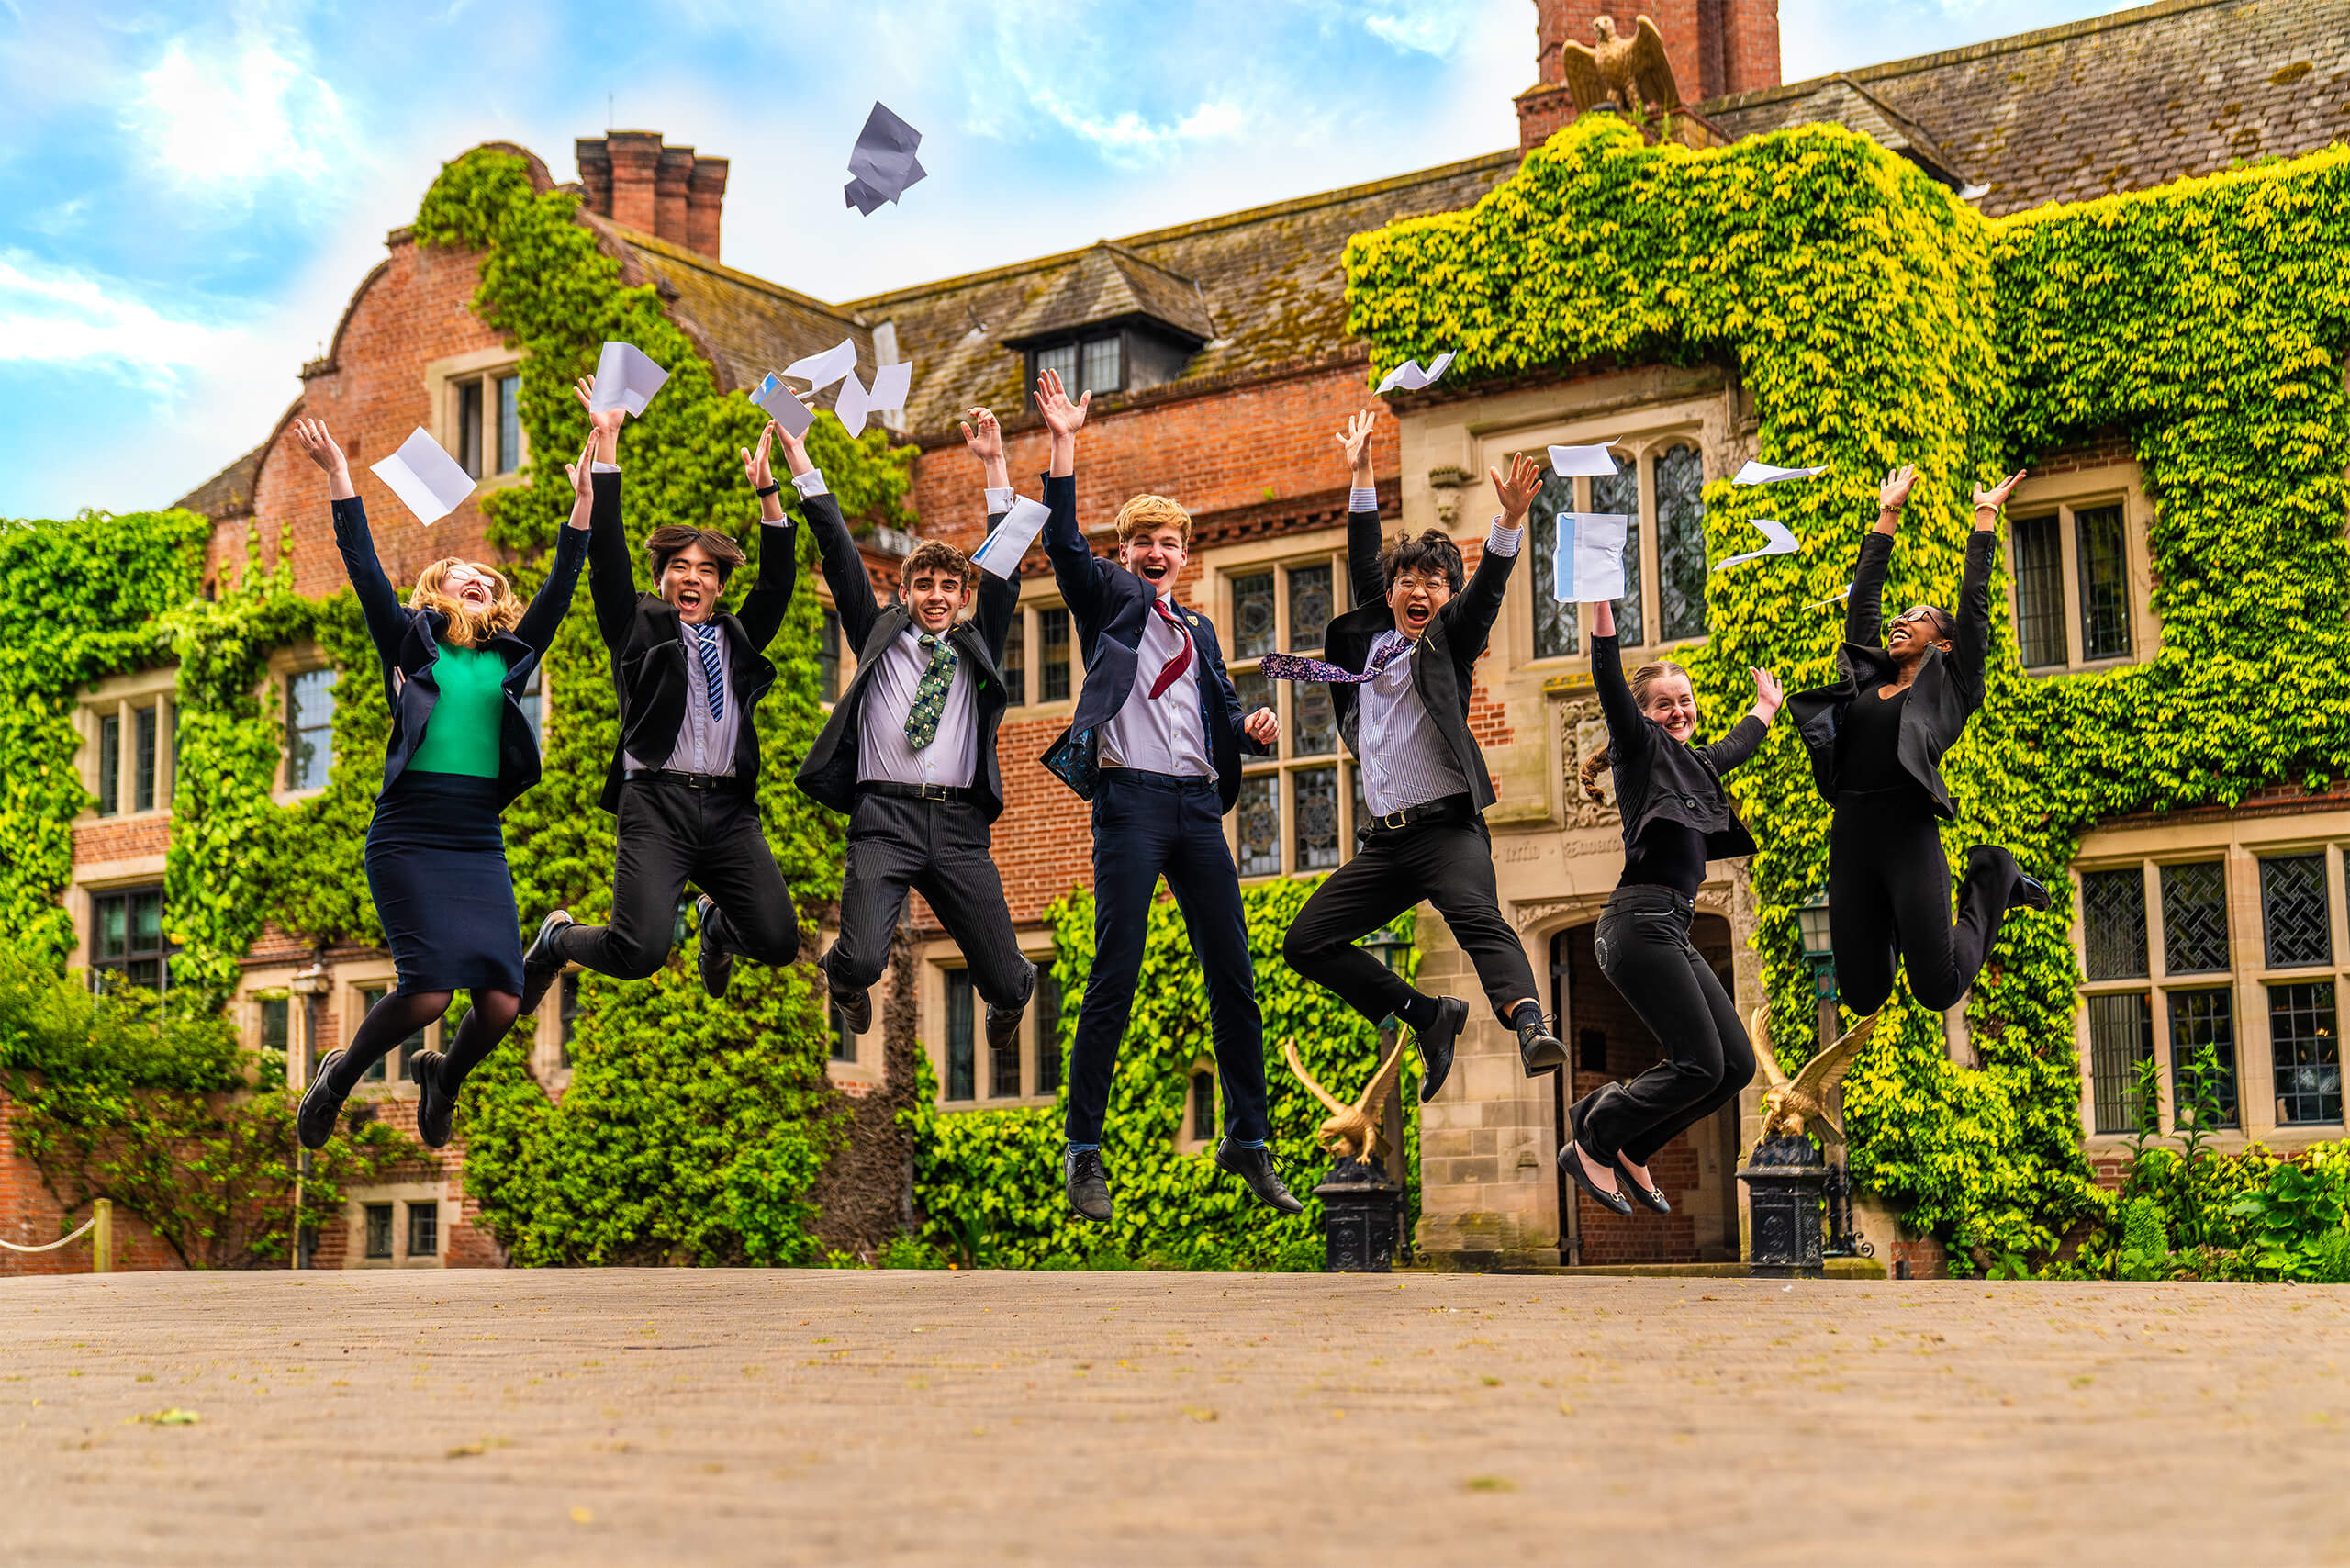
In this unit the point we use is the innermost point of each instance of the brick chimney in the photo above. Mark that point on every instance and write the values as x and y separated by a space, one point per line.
665 192
1716 46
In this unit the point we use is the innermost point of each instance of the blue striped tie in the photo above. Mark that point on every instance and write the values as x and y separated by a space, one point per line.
712 675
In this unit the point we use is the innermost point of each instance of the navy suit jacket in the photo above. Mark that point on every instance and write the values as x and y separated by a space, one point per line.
1109 605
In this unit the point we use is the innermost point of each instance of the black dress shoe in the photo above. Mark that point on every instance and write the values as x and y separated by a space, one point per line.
856 1007
540 963
1648 1197
717 958
1538 1049
1085 1184
1004 1025
1570 1161
436 1107
322 1104
1255 1166
1435 1044
2030 894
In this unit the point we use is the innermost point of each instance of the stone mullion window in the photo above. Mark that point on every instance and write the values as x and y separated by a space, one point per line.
2080 585
1659 484
1296 810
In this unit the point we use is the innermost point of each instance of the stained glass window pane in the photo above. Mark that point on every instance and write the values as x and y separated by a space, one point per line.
2308 1053
1620 492
2198 1019
1253 629
1315 793
2105 583
1555 626
1310 605
2121 1035
2113 924
1318 720
1259 815
2195 917
1679 477
1255 690
2039 592
2293 911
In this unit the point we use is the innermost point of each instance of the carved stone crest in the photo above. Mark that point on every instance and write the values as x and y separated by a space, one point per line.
1583 732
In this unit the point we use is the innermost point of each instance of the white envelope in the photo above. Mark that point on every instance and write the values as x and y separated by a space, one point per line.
1002 549
425 477
1583 462
1779 542
820 370
1412 378
782 407
625 378
1763 474
1588 566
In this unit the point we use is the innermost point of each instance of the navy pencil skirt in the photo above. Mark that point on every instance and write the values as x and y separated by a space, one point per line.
436 864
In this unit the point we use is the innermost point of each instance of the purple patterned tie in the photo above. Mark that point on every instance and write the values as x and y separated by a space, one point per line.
1291 666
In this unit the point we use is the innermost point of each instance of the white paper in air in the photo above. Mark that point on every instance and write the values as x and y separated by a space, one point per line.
1588 566
1002 549
425 477
625 378
1583 462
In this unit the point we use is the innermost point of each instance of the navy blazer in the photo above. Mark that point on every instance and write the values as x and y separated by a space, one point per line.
1108 604
829 773
407 644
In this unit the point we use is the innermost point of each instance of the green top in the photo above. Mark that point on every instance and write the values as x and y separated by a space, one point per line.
468 722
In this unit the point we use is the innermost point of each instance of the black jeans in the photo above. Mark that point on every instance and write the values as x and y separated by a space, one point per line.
1888 900
1146 824
669 835
1450 863
940 849
1644 951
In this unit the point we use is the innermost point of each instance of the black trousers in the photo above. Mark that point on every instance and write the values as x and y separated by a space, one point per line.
669 835
1450 863
1147 824
1888 900
1644 951
939 849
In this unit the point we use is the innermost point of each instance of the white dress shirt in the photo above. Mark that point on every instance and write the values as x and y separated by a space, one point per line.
1165 733
883 752
1405 759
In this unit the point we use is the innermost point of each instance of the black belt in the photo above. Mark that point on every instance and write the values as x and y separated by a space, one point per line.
954 795
1452 808
684 780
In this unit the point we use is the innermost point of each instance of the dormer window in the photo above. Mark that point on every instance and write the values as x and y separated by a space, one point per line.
1115 322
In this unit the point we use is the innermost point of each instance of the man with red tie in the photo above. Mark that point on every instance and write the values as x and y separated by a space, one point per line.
1156 747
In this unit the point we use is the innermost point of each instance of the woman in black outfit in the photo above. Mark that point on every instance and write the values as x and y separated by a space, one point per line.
456 659
1676 817
1875 739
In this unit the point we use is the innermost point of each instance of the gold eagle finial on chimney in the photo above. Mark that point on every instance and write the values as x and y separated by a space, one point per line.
1632 72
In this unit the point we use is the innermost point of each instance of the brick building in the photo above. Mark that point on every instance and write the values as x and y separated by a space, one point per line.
1217 353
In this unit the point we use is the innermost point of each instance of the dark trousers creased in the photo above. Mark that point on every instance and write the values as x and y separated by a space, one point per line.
1889 902
1147 824
1644 950
1450 863
939 849
670 836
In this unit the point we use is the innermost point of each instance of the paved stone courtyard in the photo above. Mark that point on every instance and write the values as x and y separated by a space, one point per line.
634 1418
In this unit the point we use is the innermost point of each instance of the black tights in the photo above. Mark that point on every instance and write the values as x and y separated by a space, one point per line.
396 1017
1644 950
1889 902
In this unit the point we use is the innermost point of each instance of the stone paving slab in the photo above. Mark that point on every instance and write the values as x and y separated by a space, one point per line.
709 1417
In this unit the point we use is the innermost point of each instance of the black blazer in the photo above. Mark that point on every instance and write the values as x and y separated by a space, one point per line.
649 653
829 773
407 644
1948 690
1443 670
1659 779
1108 604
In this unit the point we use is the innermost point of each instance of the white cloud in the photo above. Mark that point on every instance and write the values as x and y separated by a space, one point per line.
225 121
1128 137
60 316
1433 31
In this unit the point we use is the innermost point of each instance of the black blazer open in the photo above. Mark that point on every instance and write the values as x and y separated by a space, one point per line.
1657 778
649 653
408 641
1444 671
1108 604
1949 687
829 773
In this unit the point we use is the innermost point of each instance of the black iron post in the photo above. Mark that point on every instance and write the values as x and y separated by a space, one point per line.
1360 1210
1784 1183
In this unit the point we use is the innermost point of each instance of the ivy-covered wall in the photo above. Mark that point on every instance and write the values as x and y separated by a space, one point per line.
1874 319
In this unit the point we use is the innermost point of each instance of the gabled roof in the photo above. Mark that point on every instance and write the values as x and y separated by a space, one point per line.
229 493
747 325
1840 100
1109 283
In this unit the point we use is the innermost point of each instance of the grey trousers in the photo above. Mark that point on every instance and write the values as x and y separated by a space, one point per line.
941 850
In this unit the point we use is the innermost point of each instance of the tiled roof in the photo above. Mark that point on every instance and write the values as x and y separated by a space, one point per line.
748 325
2117 103
1111 283
229 493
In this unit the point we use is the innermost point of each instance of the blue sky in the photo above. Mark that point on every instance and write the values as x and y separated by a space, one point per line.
189 194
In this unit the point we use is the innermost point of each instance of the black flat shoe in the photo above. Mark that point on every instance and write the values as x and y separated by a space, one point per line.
717 959
1540 1049
1255 1166
2030 894
1649 1198
435 1106
1086 1184
1570 1161
540 963
1436 1043
322 1104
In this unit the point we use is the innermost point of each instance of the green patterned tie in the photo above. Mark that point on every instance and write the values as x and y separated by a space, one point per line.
930 693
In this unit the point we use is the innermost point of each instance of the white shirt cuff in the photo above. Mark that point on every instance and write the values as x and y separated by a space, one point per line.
1503 540
605 467
810 485
1363 498
1000 499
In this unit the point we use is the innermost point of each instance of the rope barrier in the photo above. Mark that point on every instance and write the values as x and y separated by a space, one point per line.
87 1225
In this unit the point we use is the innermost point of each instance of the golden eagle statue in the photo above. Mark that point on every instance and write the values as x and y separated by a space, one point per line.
1350 1132
1633 73
1793 1106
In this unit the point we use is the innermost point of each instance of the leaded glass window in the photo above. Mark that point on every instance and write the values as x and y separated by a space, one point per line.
1003 1071
1316 797
510 423
1044 1007
1015 663
1310 605
2121 1035
1104 365
1620 492
2195 917
1318 720
1202 1103
2113 924
2104 562
309 728
2198 1019
961 1051
1678 475
1557 632
2308 1053
1254 624
110 765
127 941
1255 689
1259 815
2039 592
379 1230
1052 664
2293 911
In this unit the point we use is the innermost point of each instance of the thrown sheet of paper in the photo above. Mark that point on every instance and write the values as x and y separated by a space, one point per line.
890 385
1779 542
820 370
883 161
1581 462
625 378
1764 474
783 405
853 404
425 477
1001 552
1831 598
1589 565
1412 378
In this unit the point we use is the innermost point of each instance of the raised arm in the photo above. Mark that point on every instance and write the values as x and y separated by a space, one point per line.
1074 567
552 600
378 604
999 597
1746 735
611 579
1864 609
1627 727
1472 614
1972 646
769 600
1363 539
836 552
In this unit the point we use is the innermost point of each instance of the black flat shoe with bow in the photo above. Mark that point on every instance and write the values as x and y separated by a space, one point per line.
1648 1197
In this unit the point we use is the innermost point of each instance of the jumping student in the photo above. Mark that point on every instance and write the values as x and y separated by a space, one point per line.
1400 668
1156 747
684 779
1676 817
455 660
1876 738
909 754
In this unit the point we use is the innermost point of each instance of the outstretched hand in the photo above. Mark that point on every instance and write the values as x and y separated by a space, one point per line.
984 436
1996 497
1518 488
312 437
1355 442
1894 493
605 422
583 489
1063 418
756 466
1767 695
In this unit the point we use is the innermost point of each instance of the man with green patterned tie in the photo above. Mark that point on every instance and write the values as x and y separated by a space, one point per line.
909 754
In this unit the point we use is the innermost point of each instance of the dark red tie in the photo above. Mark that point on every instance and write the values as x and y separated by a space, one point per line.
1183 659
